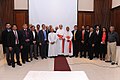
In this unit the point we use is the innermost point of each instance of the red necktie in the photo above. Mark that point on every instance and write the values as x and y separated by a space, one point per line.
83 35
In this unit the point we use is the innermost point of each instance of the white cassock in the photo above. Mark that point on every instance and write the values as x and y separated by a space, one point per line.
52 37
68 49
60 41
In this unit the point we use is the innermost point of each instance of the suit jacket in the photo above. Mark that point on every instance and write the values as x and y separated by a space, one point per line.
23 36
91 39
32 37
98 37
41 37
86 36
5 38
12 39
77 36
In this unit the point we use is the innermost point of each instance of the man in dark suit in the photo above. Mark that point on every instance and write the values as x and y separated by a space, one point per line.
5 43
84 41
33 43
38 46
25 43
48 31
91 43
76 41
14 45
98 36
43 41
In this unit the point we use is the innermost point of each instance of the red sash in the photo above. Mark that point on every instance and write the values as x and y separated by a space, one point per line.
62 45
70 45
61 37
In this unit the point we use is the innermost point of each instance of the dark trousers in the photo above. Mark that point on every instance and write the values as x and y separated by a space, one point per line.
8 55
90 51
4 50
44 50
33 51
25 52
83 49
103 51
97 50
16 49
75 48
47 49
38 50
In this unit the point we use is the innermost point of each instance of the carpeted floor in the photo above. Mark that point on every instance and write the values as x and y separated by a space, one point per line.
61 64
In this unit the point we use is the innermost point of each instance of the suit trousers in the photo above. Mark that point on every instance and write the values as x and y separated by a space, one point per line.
33 50
8 55
25 51
16 49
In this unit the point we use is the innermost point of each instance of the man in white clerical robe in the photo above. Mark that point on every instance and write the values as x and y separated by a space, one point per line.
52 38
68 49
60 41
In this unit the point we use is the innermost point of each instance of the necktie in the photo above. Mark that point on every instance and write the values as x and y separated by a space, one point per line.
16 38
26 33
74 35
45 36
83 35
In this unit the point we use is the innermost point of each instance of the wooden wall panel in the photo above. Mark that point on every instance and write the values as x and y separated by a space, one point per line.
85 18
102 12
20 17
115 19
6 12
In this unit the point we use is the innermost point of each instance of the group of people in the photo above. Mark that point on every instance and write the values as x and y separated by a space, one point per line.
97 42
32 42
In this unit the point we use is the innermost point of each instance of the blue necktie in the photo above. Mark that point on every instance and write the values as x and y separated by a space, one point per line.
45 36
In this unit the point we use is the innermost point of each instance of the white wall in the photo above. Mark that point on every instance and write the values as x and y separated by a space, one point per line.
85 5
65 14
21 4
115 3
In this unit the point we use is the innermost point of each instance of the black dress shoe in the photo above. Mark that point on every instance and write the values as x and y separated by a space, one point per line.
108 61
116 63
9 64
36 58
27 61
91 59
103 59
19 64
112 63
31 59
13 65
23 62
